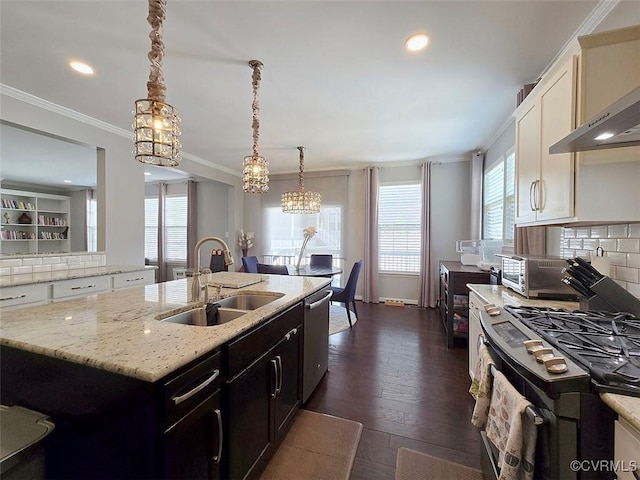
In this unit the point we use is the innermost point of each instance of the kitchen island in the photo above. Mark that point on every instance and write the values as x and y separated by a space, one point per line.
133 396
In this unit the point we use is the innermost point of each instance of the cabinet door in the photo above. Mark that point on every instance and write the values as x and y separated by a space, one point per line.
527 163
475 330
287 354
557 107
192 447
249 402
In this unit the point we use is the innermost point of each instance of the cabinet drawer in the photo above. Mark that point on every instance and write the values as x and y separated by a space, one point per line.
23 295
81 286
183 393
246 348
626 448
133 279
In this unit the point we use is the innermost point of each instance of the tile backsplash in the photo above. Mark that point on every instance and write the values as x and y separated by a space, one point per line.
30 264
621 243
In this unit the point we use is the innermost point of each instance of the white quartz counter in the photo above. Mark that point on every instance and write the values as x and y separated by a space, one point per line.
69 274
120 331
501 296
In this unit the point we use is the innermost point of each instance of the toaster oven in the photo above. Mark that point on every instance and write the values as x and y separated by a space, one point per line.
536 276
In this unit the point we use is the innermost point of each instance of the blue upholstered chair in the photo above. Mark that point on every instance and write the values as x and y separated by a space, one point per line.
347 294
250 264
273 269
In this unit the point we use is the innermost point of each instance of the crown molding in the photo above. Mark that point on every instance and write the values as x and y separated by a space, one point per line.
94 122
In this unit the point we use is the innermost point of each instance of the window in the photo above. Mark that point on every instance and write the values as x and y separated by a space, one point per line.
499 201
284 232
399 228
92 225
151 228
175 228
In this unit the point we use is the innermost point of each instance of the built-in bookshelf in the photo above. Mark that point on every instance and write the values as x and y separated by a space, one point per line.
34 222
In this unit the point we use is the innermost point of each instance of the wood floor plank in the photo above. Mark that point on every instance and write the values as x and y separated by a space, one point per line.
393 373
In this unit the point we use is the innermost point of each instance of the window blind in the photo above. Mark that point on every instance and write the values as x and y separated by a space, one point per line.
493 202
151 228
399 228
175 229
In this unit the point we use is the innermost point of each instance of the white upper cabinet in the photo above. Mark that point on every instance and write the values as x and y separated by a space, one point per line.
596 186
544 185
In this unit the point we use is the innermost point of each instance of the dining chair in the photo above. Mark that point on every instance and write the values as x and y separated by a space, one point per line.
321 260
347 294
217 261
273 269
250 264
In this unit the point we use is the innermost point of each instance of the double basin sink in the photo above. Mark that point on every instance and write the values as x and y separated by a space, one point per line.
223 310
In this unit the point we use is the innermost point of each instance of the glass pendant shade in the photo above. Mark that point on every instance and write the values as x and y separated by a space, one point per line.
156 133
156 124
300 201
255 168
255 174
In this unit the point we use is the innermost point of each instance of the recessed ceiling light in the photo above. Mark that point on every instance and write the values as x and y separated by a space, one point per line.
81 67
417 42
68 181
604 136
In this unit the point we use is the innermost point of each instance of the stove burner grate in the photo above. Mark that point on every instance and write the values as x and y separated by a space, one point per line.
606 343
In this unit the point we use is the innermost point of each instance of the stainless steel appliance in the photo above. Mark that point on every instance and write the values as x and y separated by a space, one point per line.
316 341
536 276
601 353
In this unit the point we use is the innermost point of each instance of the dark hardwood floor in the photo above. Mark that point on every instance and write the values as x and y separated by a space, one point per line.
394 374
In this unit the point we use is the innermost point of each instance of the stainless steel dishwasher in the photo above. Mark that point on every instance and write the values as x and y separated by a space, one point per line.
316 341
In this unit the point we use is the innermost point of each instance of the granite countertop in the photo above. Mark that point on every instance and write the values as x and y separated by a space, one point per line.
69 274
501 296
624 405
120 332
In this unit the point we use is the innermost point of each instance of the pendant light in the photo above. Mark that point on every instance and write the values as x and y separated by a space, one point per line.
255 171
156 123
301 201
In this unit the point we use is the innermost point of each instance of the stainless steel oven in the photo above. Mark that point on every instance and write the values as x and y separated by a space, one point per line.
566 401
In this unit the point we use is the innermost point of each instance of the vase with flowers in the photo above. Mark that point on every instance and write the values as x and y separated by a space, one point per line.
245 241
308 232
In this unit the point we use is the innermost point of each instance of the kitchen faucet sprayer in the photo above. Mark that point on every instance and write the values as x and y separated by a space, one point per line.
196 286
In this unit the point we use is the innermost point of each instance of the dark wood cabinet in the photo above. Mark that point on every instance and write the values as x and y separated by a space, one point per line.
263 397
454 297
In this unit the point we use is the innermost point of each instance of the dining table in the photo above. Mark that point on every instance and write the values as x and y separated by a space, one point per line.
309 271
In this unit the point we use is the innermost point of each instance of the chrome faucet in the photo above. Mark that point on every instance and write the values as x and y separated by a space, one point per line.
196 285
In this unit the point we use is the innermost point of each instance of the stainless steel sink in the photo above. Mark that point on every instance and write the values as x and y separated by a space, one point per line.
198 318
246 301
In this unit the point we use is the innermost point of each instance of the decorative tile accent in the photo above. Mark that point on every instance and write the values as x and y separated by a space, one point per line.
11 262
41 268
618 258
49 260
627 274
634 230
32 261
599 232
608 245
583 232
590 244
633 260
569 232
21 270
575 243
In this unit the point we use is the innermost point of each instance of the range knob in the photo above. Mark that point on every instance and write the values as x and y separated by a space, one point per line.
555 365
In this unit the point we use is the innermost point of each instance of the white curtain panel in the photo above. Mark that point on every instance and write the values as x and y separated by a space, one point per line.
192 221
370 263
427 286
162 267
477 173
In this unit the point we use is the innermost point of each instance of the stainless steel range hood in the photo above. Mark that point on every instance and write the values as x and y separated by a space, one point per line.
616 126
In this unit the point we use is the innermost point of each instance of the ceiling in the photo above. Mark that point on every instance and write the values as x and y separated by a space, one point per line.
336 78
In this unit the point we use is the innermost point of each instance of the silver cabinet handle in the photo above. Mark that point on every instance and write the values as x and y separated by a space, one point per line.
217 458
82 288
135 279
288 335
181 398
539 196
13 298
531 200
274 363
279 387
314 305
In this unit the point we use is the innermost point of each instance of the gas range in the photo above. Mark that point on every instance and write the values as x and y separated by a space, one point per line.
604 344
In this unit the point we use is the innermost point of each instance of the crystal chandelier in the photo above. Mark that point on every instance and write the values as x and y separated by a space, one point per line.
301 201
156 123
255 170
